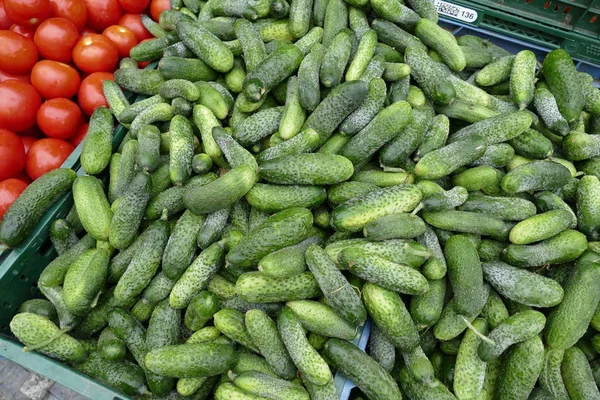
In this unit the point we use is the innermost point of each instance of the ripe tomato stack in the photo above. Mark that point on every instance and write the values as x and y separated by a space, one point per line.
54 56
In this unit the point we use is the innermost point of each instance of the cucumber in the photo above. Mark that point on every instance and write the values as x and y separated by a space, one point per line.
587 208
309 362
476 57
41 334
275 198
469 373
288 261
382 178
397 13
191 360
84 280
25 212
190 69
476 178
391 316
365 113
451 323
293 114
130 112
344 191
537 175
206 46
261 384
517 328
394 226
568 322
355 213
419 391
496 72
127 219
257 287
426 308
435 267
550 377
336 59
201 163
445 160
522 78
497 129
565 84
144 263
497 155
441 41
157 290
364 53
465 273
258 126
114 97
171 199
228 391
140 81
468 222
197 275
263 331
466 111
521 369
546 107
305 141
307 169
200 310
335 19
252 45
321 319
578 377
435 137
388 274
124 376
126 170
506 208
381 349
522 286
212 228
430 76
92 206
42 307
159 112
148 156
532 144
309 93
231 323
564 247
383 128
181 246
66 319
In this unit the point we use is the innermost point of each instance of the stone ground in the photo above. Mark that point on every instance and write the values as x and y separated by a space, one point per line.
18 383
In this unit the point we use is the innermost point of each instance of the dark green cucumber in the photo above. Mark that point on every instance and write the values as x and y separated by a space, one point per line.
141 81
62 236
565 247
465 273
275 198
565 84
191 360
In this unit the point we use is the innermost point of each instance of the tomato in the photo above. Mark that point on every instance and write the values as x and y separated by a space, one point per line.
33 131
46 155
90 94
19 103
59 118
12 154
23 177
73 10
123 39
27 142
5 22
157 7
17 53
95 53
5 76
55 79
103 13
88 31
10 189
80 134
133 22
134 6
28 12
25 31
55 39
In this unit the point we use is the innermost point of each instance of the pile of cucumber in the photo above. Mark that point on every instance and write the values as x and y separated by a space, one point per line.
298 167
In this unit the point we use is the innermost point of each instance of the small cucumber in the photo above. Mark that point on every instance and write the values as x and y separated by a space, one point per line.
190 69
336 59
430 76
191 360
588 209
506 208
522 78
231 323
565 247
309 93
442 41
497 129
84 280
261 384
550 376
468 222
420 391
426 308
578 377
445 160
451 323
97 145
140 81
335 19
110 347
537 175
469 372
293 114
394 226
252 45
256 287
381 349
307 169
365 113
124 376
521 369
496 72
181 246
213 227
397 13
465 273
206 46
321 319
287 261
41 307
546 107
200 310
92 206
565 84
364 53
275 198
127 219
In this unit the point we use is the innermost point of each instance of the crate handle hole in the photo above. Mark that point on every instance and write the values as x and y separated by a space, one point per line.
567 9
24 277
556 7
593 19
527 1
6 304
547 5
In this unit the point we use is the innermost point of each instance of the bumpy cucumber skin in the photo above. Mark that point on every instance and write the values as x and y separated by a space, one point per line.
32 329
469 222
541 226
522 78
537 175
426 308
506 208
364 114
92 206
84 280
561 76
336 58
181 245
274 198
496 129
545 105
258 126
364 53
261 384
451 324
309 92
307 169
447 159
522 286
469 373
588 208
430 76
495 72
256 287
419 391
442 41
368 375
123 375
288 261
568 322
550 377
340 295
355 213
97 145
206 46
577 375
231 323
26 211
521 369
126 220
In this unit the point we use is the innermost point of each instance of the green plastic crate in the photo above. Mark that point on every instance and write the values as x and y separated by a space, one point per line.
573 25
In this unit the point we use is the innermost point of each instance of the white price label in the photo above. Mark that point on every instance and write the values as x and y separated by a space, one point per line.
455 11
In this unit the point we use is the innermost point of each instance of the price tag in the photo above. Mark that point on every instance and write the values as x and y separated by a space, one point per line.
454 11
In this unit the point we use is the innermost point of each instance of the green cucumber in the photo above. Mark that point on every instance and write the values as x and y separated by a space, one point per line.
436 136
506 208
587 208
84 280
127 219
335 19
309 93
191 69
522 78
140 81
41 307
293 114
394 226
181 246
231 323
397 13
546 107
578 377
365 113
537 175
124 376
191 360
442 41
469 373
200 310
468 222
565 84
381 349
521 369
496 72
261 384
206 46
426 308
445 160
430 76
364 53
307 169
257 287
465 273
92 206
213 227
451 323
336 59
275 198
497 129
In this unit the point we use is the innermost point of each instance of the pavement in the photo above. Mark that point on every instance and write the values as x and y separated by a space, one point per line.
18 383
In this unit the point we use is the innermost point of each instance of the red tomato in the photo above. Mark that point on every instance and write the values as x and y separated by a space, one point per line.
25 31
5 22
55 39
157 7
95 53
80 134
90 94
5 76
12 154
88 31
73 10
23 177
134 6
59 118
19 103
33 131
133 22
103 13
10 189
46 155
27 142
28 12
123 39
55 79
17 53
